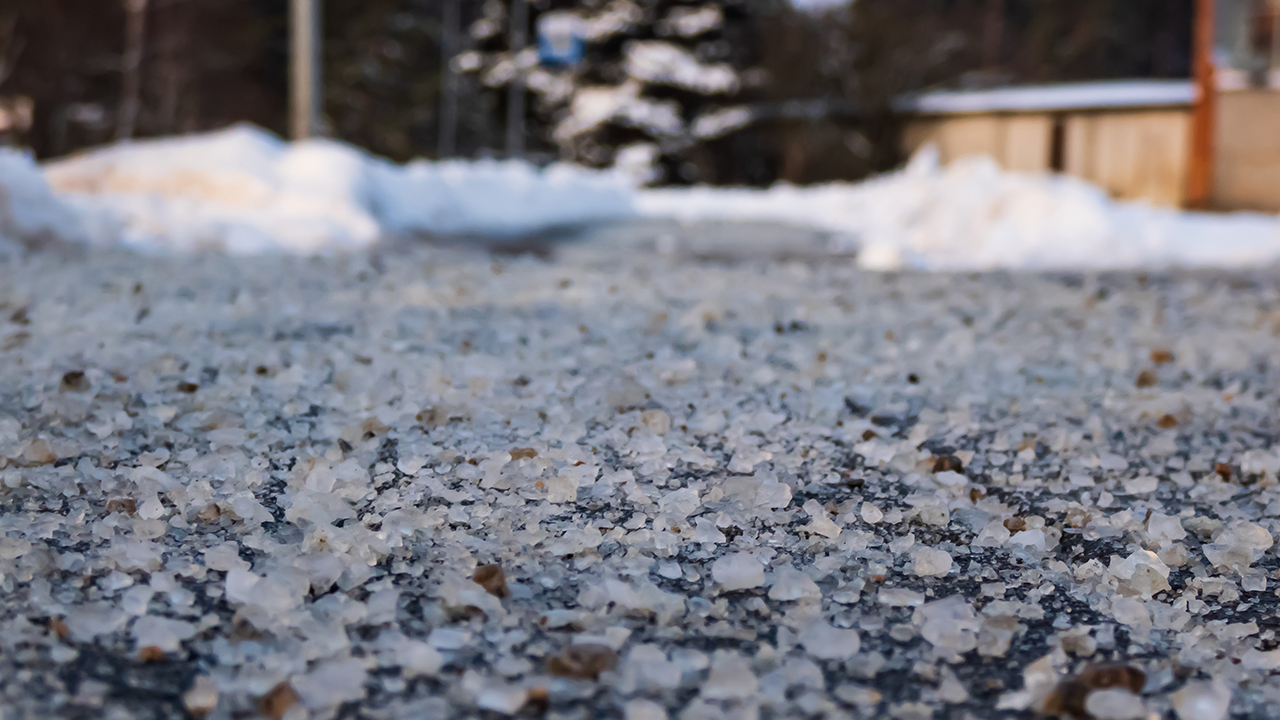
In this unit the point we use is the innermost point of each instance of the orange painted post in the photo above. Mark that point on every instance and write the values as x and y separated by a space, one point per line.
1200 174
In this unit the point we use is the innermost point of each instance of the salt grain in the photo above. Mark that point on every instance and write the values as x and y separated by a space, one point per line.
1202 700
739 571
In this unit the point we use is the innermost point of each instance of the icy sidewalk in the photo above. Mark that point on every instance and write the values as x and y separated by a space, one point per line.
652 484
245 192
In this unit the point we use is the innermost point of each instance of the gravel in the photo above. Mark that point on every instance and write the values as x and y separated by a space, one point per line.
633 479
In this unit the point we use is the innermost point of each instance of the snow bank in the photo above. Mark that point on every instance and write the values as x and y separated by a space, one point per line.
244 191
973 215
30 214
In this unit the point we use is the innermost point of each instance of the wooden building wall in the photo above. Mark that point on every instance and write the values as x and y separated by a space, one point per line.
1247 170
1133 154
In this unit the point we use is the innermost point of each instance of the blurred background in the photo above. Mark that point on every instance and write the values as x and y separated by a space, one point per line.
744 92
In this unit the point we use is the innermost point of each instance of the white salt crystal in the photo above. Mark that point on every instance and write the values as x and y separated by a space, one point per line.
1258 660
821 523
418 658
135 600
1202 700
163 633
746 459
739 571
1039 679
993 534
1164 530
899 597
85 622
949 624
871 514
224 557
825 642
447 638
1114 704
1142 485
791 584
928 562
902 544
502 698
1131 612
730 678
1238 546
332 683
679 504
1033 540
657 421
644 710
1141 573
202 697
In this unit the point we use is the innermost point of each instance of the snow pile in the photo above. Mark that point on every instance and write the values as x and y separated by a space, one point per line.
971 215
30 214
244 191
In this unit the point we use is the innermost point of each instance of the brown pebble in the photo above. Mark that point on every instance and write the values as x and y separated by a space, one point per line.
976 494
128 506
74 381
869 434
1167 421
210 513
519 453
151 654
1161 356
39 452
188 387
947 463
583 662
1223 469
432 417
537 701
1015 524
1068 699
1146 379
277 702
492 579
59 628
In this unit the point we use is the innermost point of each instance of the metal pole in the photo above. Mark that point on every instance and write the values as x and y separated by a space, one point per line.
449 94
1200 171
515 91
304 69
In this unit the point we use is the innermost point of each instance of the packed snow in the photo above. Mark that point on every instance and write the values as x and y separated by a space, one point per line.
244 191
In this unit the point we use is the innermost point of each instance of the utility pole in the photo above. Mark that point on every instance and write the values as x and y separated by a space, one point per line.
135 38
515 91
449 90
304 68
1203 118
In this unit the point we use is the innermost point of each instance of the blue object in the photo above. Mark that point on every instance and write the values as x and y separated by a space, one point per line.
560 39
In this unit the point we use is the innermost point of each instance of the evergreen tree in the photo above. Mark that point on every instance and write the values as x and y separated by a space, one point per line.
657 79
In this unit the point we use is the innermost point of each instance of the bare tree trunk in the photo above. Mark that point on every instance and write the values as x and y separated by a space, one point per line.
515 91
449 90
174 36
135 37
993 34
